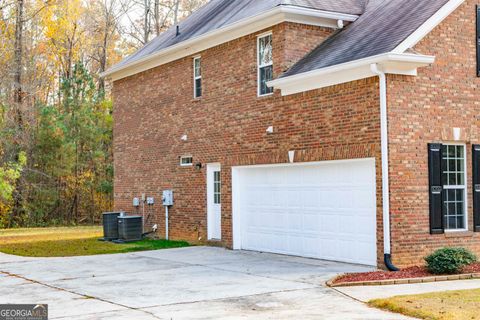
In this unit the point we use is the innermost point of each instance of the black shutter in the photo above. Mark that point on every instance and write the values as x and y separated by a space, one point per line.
436 187
476 186
477 40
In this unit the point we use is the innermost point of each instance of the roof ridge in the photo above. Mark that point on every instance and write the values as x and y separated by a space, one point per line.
218 14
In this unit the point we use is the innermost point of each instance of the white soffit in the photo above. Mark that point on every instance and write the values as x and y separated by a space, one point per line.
234 31
393 63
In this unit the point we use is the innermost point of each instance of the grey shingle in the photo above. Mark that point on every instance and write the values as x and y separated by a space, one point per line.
381 28
220 13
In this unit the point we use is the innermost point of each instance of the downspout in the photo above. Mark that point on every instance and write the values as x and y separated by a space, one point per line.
385 176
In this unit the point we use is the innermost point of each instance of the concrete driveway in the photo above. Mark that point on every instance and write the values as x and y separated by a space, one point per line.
186 283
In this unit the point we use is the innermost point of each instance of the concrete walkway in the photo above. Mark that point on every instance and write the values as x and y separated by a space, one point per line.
185 283
4 258
378 292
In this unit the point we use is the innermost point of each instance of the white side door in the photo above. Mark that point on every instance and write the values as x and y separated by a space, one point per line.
214 202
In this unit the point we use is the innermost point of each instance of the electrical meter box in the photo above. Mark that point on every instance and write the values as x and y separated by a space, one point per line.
136 202
150 200
167 198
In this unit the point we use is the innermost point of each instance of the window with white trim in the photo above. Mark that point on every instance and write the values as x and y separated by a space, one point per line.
265 64
186 161
197 77
454 186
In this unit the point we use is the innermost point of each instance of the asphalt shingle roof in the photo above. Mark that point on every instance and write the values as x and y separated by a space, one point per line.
382 27
220 13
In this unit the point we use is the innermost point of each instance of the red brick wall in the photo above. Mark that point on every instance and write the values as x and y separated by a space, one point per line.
227 125
295 41
424 109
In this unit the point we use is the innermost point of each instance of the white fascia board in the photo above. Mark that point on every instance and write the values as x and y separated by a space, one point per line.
231 32
323 81
428 26
393 63
315 17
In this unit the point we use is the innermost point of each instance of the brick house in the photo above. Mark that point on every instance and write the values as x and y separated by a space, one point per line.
340 130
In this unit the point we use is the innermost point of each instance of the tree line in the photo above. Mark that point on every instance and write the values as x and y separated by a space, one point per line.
56 160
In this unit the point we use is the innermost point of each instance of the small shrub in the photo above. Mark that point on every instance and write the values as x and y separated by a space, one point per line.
449 260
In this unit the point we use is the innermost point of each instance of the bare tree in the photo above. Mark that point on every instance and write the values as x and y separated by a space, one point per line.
175 12
104 28
156 10
18 65
156 16
18 99
146 23
18 51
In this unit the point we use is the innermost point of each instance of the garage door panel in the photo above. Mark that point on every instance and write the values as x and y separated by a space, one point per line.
329 201
279 198
328 248
328 223
309 198
323 210
295 222
311 222
365 227
361 198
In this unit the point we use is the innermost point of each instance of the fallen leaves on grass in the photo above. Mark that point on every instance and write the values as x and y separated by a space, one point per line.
71 241
448 305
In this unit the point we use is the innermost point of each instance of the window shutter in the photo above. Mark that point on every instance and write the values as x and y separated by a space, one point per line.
436 187
478 40
476 187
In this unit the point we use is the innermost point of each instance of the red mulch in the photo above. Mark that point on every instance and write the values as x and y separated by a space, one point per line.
411 272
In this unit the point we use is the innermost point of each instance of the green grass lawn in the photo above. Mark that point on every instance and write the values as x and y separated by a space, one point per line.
447 305
71 241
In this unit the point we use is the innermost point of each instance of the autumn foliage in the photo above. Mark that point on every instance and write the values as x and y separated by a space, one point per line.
56 162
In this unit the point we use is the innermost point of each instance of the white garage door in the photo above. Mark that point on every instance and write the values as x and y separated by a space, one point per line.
322 210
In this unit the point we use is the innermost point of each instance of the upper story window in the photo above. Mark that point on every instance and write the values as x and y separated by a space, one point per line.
197 77
265 63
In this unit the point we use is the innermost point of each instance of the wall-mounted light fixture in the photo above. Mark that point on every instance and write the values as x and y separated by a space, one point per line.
269 130
184 137
291 156
198 166
457 133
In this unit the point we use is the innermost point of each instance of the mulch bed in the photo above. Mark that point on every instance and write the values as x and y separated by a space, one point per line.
407 273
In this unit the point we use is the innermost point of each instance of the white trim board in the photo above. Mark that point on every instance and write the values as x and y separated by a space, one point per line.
393 63
228 33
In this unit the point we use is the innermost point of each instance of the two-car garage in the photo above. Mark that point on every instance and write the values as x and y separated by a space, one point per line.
324 210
